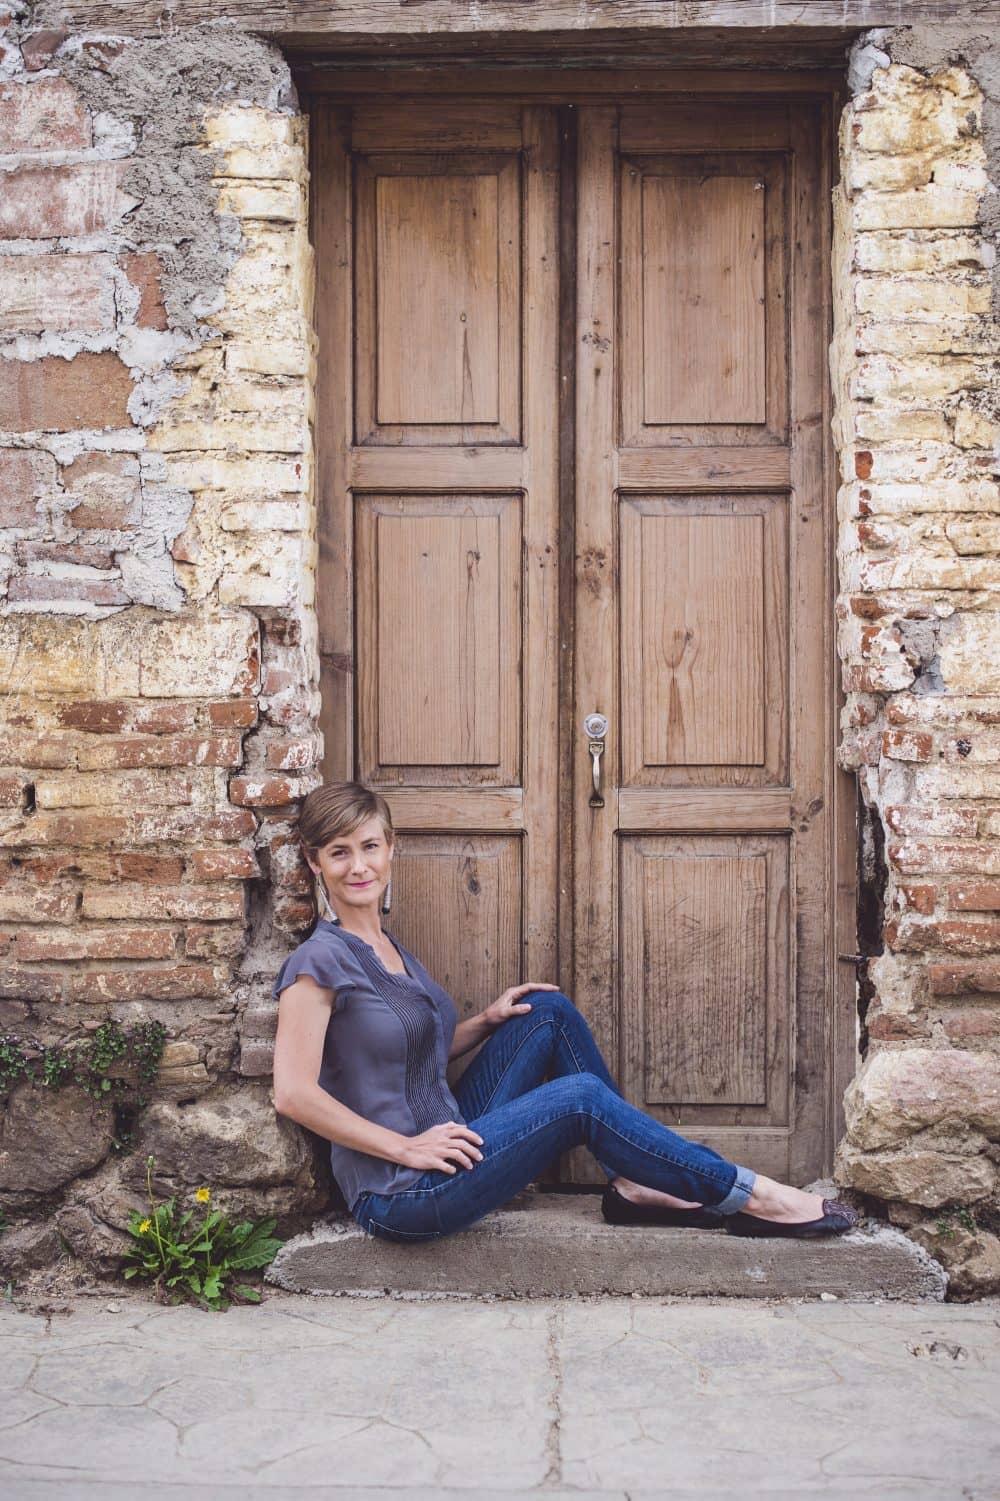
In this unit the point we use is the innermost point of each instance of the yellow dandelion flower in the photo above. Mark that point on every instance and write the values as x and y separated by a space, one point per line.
203 1195
144 1228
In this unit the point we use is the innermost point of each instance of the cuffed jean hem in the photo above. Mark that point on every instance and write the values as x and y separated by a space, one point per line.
738 1194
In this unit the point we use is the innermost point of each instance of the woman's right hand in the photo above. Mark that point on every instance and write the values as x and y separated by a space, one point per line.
442 1147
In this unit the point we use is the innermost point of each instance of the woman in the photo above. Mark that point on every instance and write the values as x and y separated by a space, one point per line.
364 1035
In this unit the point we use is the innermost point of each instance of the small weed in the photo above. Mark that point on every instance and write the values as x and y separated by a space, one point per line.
114 1065
196 1262
948 1219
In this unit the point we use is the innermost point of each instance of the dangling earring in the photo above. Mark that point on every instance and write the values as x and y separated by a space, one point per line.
387 897
331 916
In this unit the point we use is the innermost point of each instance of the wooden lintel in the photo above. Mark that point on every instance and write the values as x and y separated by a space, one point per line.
360 23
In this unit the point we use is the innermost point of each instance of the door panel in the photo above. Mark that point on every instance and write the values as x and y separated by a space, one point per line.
442 512
700 540
437 298
697 901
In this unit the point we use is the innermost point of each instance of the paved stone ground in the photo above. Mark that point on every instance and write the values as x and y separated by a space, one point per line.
606 1398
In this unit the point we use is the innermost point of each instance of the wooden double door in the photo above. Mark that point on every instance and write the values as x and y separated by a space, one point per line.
571 430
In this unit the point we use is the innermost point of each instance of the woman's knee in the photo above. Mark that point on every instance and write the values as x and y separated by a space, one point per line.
582 1091
552 1003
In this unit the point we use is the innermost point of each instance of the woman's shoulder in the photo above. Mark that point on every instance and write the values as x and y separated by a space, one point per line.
325 958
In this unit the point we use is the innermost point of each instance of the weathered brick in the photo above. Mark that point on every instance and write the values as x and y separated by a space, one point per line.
907 746
918 898
56 292
53 394
105 830
178 983
114 791
43 114
32 588
81 554
13 792
35 751
107 487
223 865
25 477
233 714
156 869
921 822
219 902
970 1022
944 857
263 792
160 750
892 1026
214 941
86 942
292 755
43 203
972 938
978 896
18 984
981 978
25 901
144 270
39 48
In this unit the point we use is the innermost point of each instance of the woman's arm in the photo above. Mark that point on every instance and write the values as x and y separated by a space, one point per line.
474 1028
470 1032
303 1015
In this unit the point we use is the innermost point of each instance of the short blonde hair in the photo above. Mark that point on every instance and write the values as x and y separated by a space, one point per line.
340 808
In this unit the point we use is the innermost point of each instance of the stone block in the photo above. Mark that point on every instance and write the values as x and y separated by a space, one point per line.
48 1137
919 250
928 1178
230 1138
899 1092
929 207
969 653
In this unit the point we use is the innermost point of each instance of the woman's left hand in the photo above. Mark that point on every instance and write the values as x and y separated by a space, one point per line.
510 1004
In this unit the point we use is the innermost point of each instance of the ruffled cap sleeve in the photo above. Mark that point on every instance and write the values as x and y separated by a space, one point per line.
324 961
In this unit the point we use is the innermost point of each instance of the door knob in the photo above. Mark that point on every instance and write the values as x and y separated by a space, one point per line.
595 727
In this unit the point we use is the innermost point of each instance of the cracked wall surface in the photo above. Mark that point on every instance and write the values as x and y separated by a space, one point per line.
915 368
157 637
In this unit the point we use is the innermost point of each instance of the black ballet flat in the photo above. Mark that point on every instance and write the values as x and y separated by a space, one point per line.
835 1220
617 1210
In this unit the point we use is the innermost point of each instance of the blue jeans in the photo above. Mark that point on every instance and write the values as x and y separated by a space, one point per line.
525 1124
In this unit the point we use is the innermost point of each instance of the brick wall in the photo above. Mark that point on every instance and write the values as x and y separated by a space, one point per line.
915 371
157 639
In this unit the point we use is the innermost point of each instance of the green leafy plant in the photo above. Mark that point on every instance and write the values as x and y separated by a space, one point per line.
196 1261
949 1218
114 1065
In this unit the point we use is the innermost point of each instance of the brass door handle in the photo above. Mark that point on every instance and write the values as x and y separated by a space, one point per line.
595 727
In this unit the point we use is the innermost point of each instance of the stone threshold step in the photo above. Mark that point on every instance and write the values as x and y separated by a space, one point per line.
551 1245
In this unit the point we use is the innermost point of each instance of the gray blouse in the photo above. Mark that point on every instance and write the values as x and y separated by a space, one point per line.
385 1051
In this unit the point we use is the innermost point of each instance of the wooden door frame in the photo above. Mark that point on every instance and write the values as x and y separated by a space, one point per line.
330 230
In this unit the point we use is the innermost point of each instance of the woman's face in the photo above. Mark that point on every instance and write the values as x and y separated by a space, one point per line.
355 867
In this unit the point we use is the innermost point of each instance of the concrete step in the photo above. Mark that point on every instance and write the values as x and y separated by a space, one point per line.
549 1245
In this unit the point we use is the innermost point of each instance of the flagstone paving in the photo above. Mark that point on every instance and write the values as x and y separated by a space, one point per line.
608 1398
